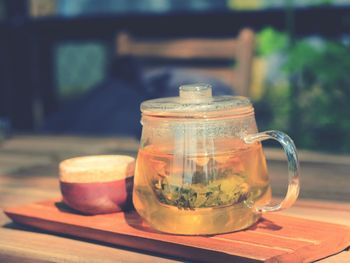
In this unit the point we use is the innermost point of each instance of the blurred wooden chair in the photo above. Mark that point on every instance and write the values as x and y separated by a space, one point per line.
228 59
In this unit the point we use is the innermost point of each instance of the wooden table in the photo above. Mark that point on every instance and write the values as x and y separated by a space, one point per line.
28 168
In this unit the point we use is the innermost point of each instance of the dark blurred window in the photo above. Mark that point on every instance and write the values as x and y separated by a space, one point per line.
79 67
93 7
67 7
2 10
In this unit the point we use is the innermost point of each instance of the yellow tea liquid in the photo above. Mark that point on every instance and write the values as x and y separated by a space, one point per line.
201 194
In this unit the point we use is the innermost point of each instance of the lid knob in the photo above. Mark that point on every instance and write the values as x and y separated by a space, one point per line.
195 92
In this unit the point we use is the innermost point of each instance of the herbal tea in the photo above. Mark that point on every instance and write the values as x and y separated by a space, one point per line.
201 194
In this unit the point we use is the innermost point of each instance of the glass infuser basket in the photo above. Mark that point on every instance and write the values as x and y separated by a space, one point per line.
201 169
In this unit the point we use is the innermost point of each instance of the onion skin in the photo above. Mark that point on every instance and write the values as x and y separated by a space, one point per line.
98 197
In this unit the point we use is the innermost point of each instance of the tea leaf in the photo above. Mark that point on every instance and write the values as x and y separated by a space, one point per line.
219 186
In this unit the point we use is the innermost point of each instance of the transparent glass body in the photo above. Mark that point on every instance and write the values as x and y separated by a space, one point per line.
199 171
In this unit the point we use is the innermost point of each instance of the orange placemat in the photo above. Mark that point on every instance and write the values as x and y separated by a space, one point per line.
275 237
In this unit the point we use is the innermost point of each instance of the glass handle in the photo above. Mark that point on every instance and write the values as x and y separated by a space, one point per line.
293 167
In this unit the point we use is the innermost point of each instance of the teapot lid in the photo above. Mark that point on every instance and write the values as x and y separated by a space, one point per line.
196 101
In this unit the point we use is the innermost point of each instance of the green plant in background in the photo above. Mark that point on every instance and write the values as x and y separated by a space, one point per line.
321 74
270 41
315 96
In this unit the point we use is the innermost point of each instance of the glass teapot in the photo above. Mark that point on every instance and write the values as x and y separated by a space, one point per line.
201 169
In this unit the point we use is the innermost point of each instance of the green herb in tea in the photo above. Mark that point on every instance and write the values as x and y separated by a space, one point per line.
220 192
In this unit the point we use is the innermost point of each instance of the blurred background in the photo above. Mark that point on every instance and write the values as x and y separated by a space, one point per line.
84 66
